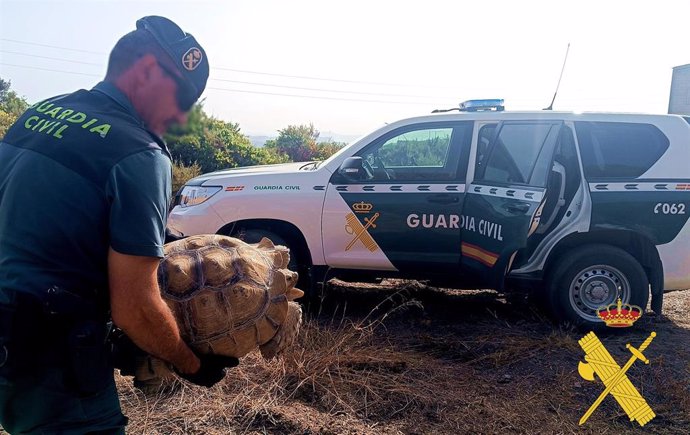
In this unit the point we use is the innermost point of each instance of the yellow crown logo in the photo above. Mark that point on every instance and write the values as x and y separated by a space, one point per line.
362 207
619 315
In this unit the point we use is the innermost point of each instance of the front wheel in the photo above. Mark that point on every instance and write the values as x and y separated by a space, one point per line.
591 277
296 264
254 235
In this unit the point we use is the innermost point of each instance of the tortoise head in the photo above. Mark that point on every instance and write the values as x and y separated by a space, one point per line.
284 283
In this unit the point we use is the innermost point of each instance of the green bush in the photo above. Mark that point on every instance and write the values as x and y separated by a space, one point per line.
181 174
298 143
214 144
11 106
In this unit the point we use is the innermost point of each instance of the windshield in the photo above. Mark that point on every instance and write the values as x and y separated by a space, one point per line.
340 151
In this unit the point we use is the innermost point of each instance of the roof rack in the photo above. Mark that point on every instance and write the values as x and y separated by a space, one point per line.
486 105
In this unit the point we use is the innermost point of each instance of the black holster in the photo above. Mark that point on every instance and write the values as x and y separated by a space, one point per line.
6 320
89 357
124 352
60 330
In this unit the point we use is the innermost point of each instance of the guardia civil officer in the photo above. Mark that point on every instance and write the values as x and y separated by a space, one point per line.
85 183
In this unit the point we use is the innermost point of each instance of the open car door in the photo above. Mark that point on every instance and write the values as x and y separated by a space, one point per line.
503 204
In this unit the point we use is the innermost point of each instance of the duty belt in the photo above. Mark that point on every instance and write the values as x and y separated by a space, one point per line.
34 330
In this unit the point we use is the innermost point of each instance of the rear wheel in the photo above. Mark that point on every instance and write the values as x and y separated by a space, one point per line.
591 277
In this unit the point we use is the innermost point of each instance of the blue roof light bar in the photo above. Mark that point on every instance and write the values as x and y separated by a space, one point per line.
490 104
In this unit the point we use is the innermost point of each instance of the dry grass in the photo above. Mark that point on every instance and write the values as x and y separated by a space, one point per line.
417 360
336 370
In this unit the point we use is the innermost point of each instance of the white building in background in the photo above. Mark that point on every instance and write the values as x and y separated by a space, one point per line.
679 101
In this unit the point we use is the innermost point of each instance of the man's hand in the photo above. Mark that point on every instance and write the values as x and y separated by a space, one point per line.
212 370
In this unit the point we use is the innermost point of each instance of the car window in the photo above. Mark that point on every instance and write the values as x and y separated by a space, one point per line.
514 157
619 149
417 154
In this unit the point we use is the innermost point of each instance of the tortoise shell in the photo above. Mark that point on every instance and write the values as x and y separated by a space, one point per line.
228 297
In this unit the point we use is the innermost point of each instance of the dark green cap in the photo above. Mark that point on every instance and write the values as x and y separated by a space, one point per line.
187 55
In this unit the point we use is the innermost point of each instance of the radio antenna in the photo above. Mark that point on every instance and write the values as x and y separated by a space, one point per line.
559 79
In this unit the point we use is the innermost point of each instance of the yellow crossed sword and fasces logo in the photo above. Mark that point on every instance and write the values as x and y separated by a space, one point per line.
599 361
361 232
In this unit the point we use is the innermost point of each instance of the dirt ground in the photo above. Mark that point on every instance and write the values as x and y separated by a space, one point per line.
405 358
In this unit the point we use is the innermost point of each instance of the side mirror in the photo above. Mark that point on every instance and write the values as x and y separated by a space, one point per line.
352 169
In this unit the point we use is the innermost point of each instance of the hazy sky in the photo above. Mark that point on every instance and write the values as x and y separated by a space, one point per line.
354 65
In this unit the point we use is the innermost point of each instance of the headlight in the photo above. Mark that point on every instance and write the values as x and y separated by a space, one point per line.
193 195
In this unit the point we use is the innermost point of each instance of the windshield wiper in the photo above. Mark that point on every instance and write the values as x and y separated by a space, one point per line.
313 166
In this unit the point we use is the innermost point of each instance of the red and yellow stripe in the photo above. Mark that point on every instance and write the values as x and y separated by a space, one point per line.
234 188
481 255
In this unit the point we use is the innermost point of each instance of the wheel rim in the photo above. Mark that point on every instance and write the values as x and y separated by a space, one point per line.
597 286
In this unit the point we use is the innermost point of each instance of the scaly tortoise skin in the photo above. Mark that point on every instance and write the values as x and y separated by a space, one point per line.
228 297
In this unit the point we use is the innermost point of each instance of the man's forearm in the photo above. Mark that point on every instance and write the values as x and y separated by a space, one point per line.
152 327
137 308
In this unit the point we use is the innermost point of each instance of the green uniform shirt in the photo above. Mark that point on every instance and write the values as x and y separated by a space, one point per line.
79 173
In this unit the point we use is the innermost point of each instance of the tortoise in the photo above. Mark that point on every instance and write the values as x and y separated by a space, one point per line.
228 298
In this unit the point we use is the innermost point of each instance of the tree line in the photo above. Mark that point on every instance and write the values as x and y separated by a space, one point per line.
207 144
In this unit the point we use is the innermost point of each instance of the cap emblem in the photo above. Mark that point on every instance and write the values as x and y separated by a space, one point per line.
191 59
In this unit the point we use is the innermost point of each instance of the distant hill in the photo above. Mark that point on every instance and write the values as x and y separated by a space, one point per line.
329 136
259 141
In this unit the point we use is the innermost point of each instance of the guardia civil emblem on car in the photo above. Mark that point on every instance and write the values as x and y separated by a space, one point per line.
582 210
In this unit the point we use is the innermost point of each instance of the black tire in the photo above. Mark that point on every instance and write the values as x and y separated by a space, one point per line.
593 276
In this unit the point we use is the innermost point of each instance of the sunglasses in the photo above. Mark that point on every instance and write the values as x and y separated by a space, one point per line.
185 95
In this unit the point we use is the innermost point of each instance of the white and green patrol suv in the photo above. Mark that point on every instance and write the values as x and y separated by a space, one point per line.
586 208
